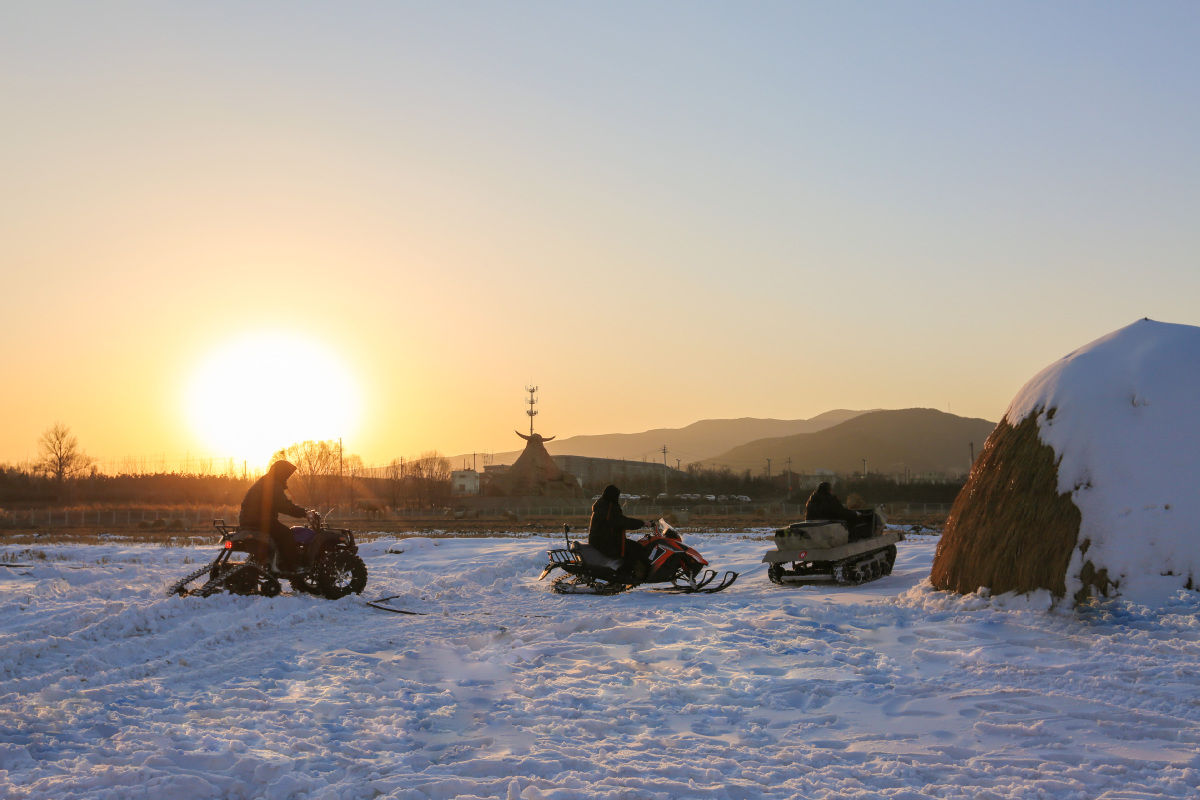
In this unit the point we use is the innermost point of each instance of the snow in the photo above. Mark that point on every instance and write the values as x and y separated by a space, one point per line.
1127 431
501 688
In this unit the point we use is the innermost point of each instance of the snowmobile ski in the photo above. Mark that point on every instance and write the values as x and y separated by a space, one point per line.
704 585
382 604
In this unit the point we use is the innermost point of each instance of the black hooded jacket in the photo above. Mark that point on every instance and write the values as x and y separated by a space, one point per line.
606 528
822 504
267 499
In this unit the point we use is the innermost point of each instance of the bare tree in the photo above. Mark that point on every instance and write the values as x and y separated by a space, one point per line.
61 456
316 468
326 474
395 473
352 470
430 476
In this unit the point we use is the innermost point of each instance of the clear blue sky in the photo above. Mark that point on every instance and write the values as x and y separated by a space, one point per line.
659 212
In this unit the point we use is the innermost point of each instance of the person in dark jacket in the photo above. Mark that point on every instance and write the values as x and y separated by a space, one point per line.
607 526
263 504
823 504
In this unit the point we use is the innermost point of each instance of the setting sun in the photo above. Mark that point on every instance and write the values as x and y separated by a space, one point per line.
263 391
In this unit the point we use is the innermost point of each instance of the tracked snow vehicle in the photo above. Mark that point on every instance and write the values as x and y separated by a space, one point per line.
337 569
826 551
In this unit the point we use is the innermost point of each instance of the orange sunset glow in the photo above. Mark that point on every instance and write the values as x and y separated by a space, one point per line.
262 391
227 228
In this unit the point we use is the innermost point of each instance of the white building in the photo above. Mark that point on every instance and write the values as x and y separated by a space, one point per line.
465 483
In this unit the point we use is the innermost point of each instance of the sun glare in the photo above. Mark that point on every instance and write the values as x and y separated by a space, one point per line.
261 392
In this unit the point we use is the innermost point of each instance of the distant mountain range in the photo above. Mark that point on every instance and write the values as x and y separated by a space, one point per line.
916 440
696 442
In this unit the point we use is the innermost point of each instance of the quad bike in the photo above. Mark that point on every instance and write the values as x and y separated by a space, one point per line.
335 568
667 560
829 551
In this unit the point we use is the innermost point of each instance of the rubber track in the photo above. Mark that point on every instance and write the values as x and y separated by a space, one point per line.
213 585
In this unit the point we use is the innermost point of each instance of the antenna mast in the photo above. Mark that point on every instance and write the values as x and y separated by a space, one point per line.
531 402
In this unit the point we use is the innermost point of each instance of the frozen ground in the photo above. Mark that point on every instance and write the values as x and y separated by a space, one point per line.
109 689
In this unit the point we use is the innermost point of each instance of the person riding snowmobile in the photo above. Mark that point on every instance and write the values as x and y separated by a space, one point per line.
823 504
606 532
263 504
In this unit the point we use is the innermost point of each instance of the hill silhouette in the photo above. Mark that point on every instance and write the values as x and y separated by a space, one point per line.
914 441
695 442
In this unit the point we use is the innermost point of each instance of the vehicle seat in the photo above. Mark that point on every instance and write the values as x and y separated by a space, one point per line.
594 558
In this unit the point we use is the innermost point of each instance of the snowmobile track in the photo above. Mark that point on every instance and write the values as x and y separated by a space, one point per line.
213 585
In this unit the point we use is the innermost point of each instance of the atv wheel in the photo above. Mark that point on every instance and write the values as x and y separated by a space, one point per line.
306 583
775 574
340 573
270 586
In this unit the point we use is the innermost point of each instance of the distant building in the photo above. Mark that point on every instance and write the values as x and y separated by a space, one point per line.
534 474
465 483
595 471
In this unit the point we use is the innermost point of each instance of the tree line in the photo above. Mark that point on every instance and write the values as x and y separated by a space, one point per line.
326 477
861 490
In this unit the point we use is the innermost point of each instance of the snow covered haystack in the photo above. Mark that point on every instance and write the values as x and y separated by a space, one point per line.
1090 485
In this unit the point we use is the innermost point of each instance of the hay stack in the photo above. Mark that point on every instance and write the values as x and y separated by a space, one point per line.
1009 529
1085 488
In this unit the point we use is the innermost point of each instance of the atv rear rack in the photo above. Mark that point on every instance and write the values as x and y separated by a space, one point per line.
558 558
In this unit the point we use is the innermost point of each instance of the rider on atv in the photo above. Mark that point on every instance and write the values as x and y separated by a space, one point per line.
263 504
606 532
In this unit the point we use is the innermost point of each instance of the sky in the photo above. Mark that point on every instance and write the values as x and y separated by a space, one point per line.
226 227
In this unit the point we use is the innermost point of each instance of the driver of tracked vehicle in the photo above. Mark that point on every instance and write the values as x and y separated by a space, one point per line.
606 533
263 504
823 504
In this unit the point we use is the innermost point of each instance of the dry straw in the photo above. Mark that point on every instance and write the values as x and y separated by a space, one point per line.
1009 530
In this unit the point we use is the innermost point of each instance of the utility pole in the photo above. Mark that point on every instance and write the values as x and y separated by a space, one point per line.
768 469
789 474
666 470
864 467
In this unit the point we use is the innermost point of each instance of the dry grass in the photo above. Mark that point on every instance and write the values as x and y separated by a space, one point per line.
1009 529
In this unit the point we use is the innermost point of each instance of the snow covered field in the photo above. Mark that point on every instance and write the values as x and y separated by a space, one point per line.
503 689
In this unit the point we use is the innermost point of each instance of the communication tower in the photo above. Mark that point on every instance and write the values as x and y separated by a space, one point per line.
531 402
